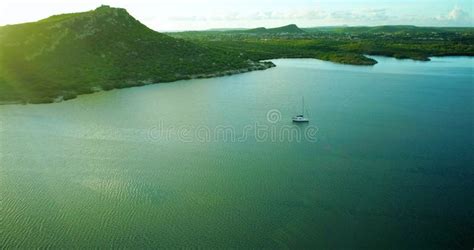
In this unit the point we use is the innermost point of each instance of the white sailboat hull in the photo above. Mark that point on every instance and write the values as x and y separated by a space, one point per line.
300 119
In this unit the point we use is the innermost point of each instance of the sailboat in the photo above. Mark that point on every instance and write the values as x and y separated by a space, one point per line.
301 118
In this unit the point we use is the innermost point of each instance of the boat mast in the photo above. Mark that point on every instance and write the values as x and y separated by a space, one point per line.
303 104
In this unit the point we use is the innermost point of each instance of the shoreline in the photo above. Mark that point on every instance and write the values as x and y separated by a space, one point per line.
254 66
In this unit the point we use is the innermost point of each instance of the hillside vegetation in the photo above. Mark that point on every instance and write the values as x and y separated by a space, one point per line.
70 54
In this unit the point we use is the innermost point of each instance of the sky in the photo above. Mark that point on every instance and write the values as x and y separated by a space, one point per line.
174 15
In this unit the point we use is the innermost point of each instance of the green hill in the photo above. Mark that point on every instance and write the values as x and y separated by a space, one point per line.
385 29
292 28
70 54
288 29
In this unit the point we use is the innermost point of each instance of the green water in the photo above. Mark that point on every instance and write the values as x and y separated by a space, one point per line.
391 164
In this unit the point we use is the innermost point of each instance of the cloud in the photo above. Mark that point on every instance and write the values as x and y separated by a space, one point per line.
363 15
188 18
456 16
313 14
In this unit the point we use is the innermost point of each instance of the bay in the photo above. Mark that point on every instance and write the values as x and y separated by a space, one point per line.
386 161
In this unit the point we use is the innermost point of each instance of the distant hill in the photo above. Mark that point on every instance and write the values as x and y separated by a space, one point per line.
225 29
384 29
288 29
70 54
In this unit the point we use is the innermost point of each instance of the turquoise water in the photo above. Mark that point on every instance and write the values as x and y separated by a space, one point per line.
390 164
